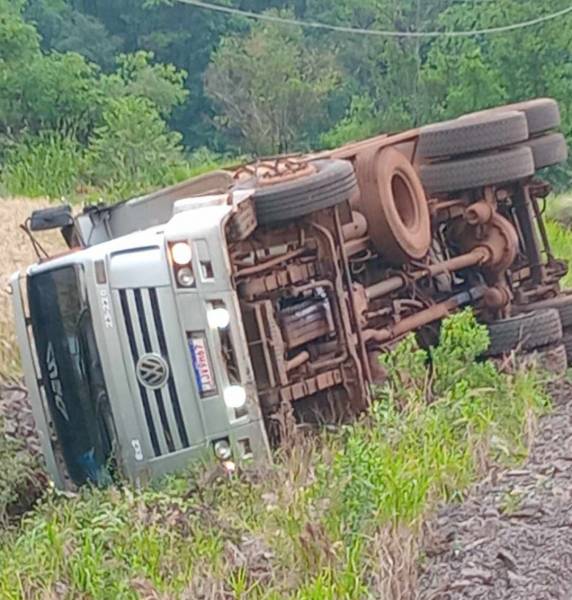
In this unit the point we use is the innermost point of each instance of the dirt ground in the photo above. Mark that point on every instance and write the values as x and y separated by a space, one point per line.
16 252
512 538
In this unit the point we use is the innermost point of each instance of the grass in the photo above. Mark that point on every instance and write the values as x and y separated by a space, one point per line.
50 165
561 245
558 224
337 516
56 167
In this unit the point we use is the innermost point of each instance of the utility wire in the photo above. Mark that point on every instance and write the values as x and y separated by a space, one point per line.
374 32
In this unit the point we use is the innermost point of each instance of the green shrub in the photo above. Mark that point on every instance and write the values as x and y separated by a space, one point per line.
133 151
438 419
45 165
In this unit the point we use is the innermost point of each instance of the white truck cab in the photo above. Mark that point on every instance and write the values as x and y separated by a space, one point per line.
134 350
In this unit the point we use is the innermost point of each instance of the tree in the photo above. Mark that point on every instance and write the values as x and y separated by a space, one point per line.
65 29
136 75
271 89
133 150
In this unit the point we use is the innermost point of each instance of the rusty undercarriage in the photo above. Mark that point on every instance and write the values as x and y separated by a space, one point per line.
324 294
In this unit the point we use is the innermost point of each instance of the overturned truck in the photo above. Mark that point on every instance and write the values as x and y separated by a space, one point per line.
189 322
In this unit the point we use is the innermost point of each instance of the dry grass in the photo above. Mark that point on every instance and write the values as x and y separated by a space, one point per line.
17 253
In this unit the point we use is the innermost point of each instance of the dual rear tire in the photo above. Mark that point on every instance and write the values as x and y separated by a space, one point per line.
491 147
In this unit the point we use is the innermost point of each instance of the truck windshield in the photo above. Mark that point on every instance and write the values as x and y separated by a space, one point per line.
71 373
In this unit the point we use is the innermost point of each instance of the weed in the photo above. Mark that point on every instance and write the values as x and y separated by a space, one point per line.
511 501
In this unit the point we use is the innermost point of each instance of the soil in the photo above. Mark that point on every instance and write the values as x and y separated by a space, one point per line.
16 416
512 536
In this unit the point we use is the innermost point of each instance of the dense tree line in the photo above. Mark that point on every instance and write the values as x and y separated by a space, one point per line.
126 90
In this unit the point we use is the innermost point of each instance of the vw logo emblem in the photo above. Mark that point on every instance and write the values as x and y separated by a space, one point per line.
152 371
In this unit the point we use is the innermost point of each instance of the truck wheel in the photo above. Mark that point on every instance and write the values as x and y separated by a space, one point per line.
542 114
333 182
563 304
567 341
524 332
478 171
473 133
394 204
548 150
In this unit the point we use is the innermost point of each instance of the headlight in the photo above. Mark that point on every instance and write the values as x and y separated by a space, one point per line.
181 253
218 318
185 277
222 450
235 396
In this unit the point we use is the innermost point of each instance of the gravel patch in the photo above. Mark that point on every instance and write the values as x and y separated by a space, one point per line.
512 537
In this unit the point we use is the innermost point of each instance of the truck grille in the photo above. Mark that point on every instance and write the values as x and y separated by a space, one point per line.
146 335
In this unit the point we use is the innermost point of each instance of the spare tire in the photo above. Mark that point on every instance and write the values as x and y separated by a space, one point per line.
473 133
478 171
548 150
394 204
524 332
333 182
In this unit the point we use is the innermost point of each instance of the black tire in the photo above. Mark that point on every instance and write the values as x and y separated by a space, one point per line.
524 332
478 171
548 150
474 133
333 183
567 342
542 114
563 304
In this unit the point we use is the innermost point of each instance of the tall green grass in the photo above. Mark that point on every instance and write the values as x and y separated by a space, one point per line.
558 213
336 516
49 165
561 245
55 167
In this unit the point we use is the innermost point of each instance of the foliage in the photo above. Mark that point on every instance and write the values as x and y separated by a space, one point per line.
271 89
162 85
58 108
56 92
133 150
561 245
327 520
237 86
63 28
433 428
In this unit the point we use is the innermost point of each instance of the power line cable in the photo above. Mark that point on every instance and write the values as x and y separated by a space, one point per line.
374 32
